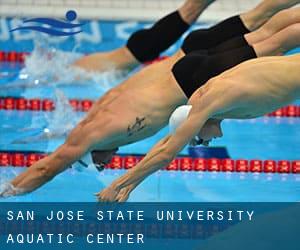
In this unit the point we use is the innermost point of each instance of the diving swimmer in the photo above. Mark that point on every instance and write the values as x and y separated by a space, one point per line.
276 83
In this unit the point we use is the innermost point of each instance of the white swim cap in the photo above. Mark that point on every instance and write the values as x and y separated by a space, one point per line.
178 117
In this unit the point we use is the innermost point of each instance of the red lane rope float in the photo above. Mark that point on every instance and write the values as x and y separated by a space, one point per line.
13 103
85 105
36 104
13 56
19 57
21 159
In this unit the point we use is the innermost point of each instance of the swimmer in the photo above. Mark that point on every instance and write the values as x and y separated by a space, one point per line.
276 83
278 22
138 108
147 44
142 46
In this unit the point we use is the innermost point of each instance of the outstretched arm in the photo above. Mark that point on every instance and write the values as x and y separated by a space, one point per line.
209 101
44 170
78 143
160 156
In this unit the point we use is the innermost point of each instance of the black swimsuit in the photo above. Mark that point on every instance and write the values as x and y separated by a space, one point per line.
205 39
210 52
195 69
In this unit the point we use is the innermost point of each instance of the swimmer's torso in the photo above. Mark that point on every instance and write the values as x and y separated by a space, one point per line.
260 86
154 90
142 104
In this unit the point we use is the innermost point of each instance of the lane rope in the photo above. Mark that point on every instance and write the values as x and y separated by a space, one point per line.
13 56
21 159
19 57
26 159
84 105
11 103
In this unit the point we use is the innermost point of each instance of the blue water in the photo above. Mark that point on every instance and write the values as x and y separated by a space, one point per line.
264 138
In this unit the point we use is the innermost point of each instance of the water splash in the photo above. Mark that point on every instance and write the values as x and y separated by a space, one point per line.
63 119
48 66
8 190
58 122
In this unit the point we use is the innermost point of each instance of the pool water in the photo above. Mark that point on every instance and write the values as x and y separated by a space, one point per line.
263 138
72 186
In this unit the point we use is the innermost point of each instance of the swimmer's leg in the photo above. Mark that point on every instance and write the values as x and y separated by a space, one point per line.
256 17
280 21
151 41
279 43
229 34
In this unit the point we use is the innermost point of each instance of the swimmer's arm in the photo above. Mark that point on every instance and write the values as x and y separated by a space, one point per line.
47 168
160 156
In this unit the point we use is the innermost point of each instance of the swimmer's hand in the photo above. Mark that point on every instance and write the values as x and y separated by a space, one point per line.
124 194
7 190
111 194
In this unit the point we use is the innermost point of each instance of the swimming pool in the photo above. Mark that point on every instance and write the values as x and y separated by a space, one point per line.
266 138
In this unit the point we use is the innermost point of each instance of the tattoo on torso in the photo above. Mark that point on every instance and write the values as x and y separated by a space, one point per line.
137 126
